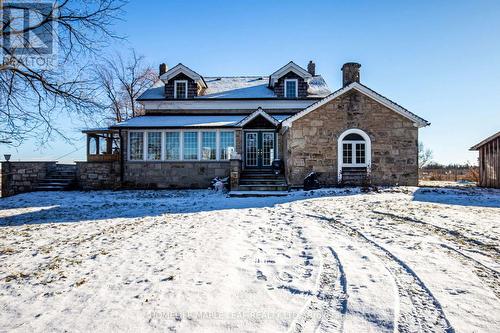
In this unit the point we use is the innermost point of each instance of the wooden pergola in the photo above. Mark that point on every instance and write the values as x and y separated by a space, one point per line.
103 145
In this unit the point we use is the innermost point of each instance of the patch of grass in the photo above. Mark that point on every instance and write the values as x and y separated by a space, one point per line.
80 282
7 251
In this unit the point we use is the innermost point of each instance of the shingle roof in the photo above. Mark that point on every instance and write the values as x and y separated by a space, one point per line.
248 87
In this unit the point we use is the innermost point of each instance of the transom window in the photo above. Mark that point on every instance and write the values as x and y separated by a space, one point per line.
180 89
291 88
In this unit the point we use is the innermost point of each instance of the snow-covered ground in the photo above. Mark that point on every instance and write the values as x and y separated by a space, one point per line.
401 259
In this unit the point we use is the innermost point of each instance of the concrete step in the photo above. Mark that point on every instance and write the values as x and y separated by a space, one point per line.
47 183
263 187
50 188
58 179
247 194
268 181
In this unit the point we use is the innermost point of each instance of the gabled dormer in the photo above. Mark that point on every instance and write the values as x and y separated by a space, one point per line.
181 82
290 81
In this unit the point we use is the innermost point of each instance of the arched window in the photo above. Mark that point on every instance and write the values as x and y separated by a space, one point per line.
354 150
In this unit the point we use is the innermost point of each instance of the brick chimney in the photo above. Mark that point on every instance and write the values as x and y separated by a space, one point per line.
163 69
311 68
350 73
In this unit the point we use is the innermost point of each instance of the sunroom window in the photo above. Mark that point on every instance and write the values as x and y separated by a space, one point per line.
190 146
291 87
154 146
226 145
208 145
180 89
172 146
136 145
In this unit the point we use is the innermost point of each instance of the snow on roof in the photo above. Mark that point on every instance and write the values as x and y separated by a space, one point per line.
186 121
318 87
239 87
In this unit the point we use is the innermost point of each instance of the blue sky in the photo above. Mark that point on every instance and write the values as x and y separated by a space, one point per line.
439 59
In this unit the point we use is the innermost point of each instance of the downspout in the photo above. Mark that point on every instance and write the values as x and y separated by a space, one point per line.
121 156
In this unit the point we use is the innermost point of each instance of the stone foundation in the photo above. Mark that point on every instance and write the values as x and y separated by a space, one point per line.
195 174
98 175
20 177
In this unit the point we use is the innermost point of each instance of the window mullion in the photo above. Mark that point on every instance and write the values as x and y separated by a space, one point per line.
217 145
181 145
199 145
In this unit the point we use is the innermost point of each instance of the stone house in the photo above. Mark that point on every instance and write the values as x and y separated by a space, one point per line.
268 132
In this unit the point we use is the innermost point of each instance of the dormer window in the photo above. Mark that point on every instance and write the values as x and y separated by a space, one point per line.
180 89
291 88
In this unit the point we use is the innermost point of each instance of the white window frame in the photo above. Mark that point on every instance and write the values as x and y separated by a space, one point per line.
216 143
181 144
198 149
340 151
146 138
144 147
164 136
353 150
219 148
185 82
296 88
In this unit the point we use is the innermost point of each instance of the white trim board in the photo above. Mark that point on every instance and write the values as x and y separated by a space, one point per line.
180 68
255 114
418 122
208 104
290 67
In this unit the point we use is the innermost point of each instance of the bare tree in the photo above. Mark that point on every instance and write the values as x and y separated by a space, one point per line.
122 81
424 155
30 94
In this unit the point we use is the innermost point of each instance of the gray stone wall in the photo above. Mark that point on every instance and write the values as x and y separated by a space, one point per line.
20 177
311 143
98 175
196 174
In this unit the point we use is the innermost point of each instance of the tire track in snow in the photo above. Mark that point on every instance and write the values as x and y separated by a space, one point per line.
419 310
451 235
325 311
486 274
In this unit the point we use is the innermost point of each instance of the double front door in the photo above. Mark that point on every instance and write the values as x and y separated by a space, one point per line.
259 149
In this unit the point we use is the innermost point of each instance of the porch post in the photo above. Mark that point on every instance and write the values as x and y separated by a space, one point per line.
235 171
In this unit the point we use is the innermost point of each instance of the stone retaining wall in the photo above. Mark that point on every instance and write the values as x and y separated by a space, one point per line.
98 175
20 177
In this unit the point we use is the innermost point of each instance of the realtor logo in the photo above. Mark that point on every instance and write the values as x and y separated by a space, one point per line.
28 32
